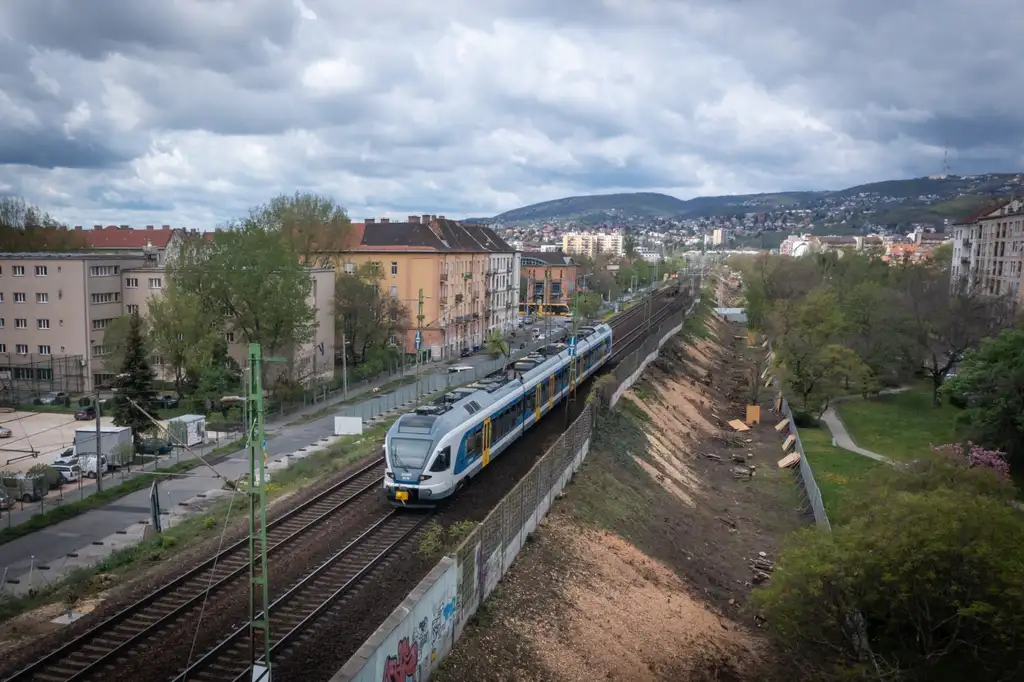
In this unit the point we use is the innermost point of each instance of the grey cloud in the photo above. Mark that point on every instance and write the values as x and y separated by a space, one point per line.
47 149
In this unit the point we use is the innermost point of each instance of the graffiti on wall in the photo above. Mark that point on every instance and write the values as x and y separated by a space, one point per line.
401 667
417 654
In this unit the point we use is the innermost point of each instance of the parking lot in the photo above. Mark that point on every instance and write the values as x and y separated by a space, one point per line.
46 433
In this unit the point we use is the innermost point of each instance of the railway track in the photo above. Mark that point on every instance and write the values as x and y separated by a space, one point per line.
91 653
231 660
628 338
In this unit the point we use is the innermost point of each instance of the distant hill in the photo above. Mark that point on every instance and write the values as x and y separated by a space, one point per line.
926 200
636 205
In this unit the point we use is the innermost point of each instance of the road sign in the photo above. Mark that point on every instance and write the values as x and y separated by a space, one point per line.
572 347
419 340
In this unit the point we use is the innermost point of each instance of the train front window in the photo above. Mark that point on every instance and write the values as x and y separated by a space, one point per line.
443 461
407 453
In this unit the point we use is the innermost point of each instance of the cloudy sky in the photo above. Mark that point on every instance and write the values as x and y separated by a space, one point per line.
189 111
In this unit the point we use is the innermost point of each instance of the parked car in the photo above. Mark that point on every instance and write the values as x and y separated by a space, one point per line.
84 414
5 500
167 402
154 446
69 456
466 352
5 432
459 369
69 473
53 398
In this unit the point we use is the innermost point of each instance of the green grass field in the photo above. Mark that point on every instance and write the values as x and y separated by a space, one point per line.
837 471
902 426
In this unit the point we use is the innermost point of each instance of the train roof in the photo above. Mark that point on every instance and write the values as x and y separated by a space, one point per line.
451 409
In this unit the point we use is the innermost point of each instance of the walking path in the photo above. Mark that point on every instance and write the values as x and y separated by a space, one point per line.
841 437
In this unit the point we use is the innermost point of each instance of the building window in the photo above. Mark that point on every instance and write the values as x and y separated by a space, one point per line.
230 337
19 297
1 297
21 349
42 298
350 268
131 283
44 350
104 270
98 325
3 347
394 292
155 283
42 271
394 268
99 351
18 270
393 339
113 297
20 323
132 309
42 324
1 323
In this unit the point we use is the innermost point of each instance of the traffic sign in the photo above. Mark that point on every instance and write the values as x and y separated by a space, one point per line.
419 340
572 347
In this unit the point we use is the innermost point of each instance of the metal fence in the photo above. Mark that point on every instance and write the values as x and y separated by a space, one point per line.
806 473
23 378
494 544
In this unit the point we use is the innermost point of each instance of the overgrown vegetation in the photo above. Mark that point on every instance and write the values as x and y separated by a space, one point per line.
921 577
439 540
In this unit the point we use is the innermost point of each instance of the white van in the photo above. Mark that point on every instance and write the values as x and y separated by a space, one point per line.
459 369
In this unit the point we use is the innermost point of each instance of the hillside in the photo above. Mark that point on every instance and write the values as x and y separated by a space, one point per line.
924 200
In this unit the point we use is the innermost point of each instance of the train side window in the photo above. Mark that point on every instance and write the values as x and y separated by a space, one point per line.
443 461
473 444
531 400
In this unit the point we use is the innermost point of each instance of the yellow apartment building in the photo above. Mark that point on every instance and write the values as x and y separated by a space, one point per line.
453 264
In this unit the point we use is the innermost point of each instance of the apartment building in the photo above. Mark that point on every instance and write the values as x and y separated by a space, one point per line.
719 237
468 275
591 244
55 308
988 249
550 277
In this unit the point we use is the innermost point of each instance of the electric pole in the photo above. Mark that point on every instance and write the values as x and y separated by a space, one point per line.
99 468
344 366
259 578
547 302
418 343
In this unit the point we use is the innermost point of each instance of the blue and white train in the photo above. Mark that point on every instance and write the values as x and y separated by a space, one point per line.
431 453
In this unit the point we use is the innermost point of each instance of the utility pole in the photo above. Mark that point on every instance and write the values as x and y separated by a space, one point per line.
344 366
573 370
418 343
99 468
259 577
547 302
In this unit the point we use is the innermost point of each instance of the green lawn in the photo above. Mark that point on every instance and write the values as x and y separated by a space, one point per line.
836 471
903 426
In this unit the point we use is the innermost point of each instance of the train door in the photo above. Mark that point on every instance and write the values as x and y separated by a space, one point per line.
551 391
539 401
487 432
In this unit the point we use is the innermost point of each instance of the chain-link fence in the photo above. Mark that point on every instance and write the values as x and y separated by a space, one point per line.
24 378
492 546
806 474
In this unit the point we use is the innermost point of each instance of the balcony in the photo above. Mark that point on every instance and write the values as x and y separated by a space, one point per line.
442 304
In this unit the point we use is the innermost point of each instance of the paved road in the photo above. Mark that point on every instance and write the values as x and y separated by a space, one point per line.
51 545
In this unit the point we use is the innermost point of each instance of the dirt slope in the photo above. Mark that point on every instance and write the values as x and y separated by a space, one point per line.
643 570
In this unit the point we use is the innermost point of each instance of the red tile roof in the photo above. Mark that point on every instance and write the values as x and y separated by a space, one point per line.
124 237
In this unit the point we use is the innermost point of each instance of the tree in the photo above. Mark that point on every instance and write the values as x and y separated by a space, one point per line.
314 226
586 306
249 274
115 341
874 327
367 317
24 228
943 321
215 376
990 385
134 401
499 346
182 331
935 575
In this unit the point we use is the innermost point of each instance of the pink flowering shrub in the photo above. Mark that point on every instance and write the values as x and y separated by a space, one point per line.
976 456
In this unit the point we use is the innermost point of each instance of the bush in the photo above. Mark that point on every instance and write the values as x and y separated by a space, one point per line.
804 420
37 401
67 402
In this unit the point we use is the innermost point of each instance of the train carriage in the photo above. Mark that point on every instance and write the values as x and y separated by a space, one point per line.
434 451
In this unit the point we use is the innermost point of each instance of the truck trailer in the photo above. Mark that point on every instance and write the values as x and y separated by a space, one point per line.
115 444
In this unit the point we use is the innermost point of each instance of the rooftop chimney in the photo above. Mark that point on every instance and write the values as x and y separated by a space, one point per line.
149 227
166 227
126 227
414 219
78 227
440 217
385 220
370 221
97 227
425 218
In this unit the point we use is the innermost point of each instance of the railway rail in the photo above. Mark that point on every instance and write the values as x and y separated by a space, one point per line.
231 660
91 652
